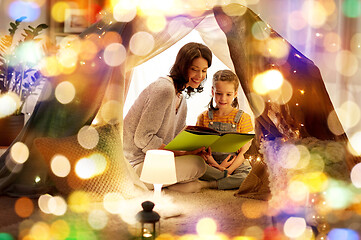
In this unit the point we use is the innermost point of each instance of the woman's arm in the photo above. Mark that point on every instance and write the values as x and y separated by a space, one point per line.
154 116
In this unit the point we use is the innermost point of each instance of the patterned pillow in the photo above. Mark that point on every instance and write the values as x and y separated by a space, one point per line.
117 176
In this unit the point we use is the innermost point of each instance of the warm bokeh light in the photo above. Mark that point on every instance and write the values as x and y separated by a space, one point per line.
294 227
273 79
151 7
354 144
91 166
98 219
267 81
88 137
289 156
260 30
114 54
65 92
113 202
24 207
332 42
355 44
346 63
43 203
109 38
235 9
306 235
297 191
305 157
156 23
315 181
60 229
39 231
125 11
334 124
58 10
349 114
57 205
314 13
89 50
258 104
255 232
19 152
9 103
356 175
109 111
278 48
141 43
60 165
283 94
50 66
79 202
206 226
259 86
68 58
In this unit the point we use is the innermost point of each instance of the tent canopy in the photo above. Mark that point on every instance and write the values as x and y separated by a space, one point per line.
235 34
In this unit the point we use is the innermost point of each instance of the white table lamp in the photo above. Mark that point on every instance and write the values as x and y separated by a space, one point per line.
159 169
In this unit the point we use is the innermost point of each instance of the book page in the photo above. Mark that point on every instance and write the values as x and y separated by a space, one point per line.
231 142
189 141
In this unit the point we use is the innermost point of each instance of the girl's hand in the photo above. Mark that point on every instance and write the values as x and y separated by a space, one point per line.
213 163
227 161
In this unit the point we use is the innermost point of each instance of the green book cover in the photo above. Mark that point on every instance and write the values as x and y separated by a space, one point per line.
193 137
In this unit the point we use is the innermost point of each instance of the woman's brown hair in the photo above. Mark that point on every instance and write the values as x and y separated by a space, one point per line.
184 59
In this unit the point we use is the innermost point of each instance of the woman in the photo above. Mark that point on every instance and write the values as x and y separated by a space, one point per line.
159 114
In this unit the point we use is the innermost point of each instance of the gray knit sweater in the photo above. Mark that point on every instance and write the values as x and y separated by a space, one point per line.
152 120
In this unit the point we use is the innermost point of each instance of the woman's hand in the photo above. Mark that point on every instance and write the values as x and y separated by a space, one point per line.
200 152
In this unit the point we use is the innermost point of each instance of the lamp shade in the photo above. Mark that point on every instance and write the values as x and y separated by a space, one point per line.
159 167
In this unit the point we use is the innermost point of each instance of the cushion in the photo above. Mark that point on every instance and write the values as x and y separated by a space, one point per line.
116 177
256 184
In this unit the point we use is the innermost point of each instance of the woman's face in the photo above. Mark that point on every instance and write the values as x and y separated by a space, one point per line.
197 72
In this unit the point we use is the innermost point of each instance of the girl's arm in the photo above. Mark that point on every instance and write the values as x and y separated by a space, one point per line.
239 159
210 160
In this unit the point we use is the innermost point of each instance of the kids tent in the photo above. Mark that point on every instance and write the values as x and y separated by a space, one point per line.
90 123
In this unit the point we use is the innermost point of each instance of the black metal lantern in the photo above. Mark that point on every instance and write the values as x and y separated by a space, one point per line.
149 221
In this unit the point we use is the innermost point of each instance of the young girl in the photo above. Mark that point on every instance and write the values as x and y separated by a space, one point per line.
225 170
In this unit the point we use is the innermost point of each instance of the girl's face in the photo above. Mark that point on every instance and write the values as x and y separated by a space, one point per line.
197 72
224 93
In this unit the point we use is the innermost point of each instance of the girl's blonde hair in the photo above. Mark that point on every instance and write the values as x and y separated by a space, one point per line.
225 76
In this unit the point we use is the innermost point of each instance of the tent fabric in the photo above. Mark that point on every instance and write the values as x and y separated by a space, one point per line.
101 89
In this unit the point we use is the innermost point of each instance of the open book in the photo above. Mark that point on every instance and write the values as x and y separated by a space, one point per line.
194 137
